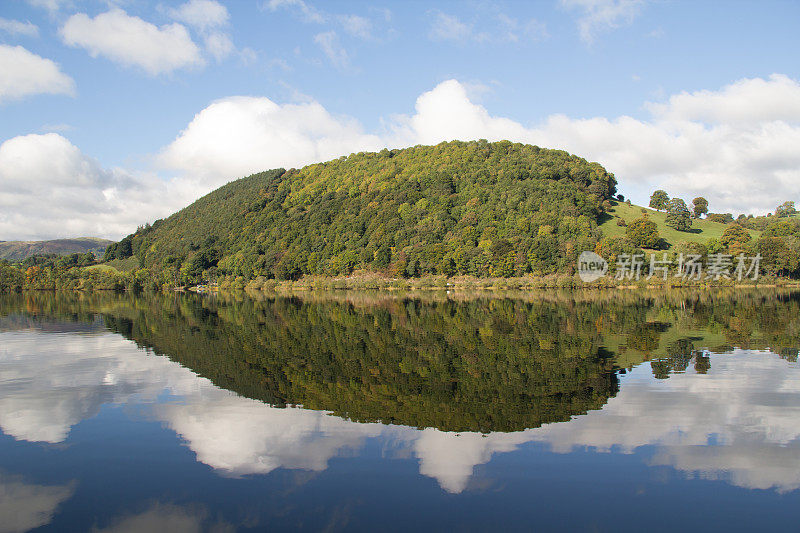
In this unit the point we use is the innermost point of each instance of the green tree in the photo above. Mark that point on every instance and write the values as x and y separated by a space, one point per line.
700 206
735 238
643 233
659 200
678 216
786 209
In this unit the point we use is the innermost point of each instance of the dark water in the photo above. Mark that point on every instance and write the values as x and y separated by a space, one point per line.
587 411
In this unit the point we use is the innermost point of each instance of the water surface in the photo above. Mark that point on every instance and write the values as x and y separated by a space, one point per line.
585 411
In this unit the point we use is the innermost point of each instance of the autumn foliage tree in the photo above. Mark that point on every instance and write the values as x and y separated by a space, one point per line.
643 233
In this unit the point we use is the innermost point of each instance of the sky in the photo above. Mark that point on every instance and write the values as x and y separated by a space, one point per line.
116 113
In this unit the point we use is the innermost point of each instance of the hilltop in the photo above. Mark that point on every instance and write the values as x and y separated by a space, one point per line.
15 251
474 208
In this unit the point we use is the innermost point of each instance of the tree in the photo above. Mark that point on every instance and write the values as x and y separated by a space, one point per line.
643 233
678 216
734 238
700 205
786 209
659 199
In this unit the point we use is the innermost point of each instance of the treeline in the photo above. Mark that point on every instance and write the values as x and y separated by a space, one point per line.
67 272
470 208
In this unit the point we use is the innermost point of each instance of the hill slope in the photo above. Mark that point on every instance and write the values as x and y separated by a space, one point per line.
14 251
475 208
702 230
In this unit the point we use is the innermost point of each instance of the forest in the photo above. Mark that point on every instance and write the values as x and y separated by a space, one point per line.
478 208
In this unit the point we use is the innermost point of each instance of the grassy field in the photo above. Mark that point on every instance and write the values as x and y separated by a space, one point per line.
702 230
117 265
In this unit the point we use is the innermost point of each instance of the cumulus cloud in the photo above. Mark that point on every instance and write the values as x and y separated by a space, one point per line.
16 27
207 17
83 198
23 73
241 135
602 15
132 41
202 14
744 102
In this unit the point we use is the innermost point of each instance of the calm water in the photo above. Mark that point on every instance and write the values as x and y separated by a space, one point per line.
602 412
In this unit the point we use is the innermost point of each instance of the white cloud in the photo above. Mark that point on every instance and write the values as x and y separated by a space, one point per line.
307 12
356 26
23 73
219 45
602 15
241 135
201 14
132 41
749 101
499 28
16 27
207 17
332 48
83 198
53 6
449 28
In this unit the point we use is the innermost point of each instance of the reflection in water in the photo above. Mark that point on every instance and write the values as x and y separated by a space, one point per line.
477 377
168 518
25 506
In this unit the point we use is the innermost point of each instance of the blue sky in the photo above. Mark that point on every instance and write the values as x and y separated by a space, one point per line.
121 112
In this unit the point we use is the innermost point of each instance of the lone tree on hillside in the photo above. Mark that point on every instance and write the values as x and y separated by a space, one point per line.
678 216
659 199
700 205
786 209
643 233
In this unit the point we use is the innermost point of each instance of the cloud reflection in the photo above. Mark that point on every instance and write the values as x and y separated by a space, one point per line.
25 506
740 422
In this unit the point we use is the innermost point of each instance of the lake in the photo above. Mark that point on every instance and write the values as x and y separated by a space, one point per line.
599 411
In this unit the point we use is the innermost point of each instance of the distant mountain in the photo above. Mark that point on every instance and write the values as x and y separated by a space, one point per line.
20 250
479 208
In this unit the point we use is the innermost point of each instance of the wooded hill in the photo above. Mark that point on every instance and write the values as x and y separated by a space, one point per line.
477 208
14 251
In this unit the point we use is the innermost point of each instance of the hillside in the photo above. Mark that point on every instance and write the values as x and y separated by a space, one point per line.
20 250
702 230
475 208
